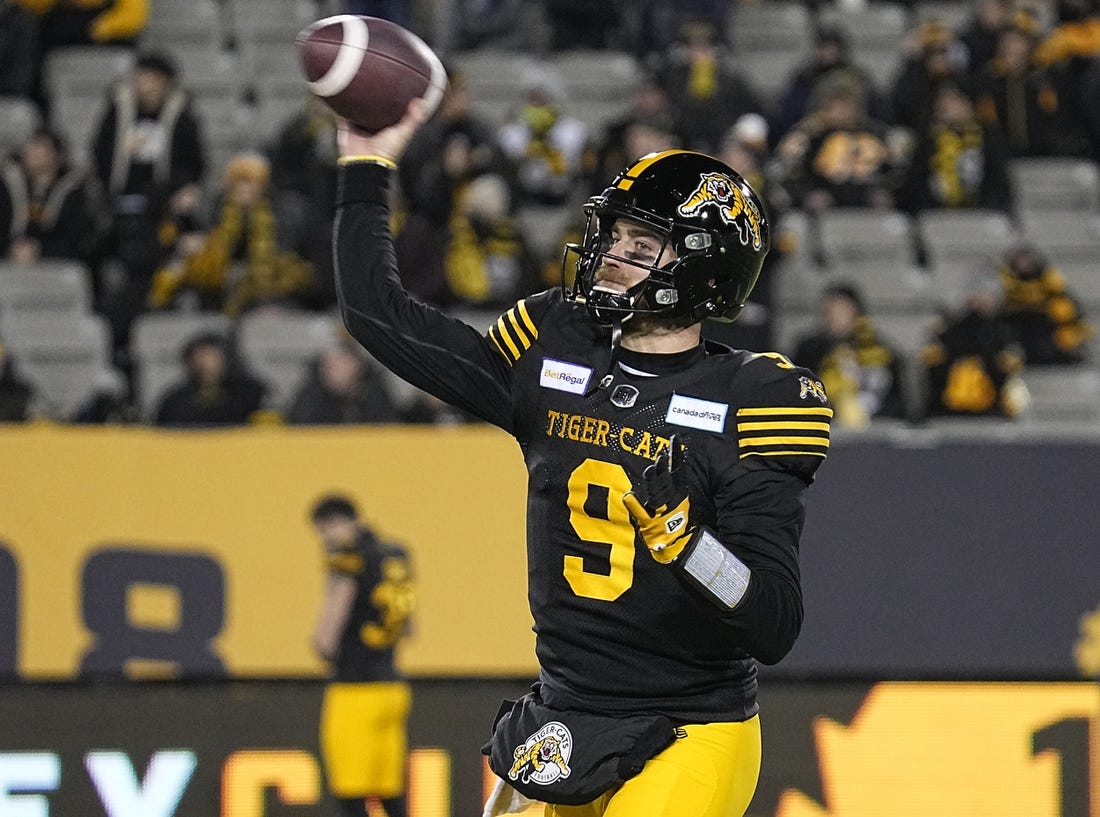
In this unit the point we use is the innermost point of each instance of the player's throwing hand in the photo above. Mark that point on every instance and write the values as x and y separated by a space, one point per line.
660 506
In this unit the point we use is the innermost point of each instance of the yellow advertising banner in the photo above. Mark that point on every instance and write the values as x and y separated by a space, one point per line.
111 537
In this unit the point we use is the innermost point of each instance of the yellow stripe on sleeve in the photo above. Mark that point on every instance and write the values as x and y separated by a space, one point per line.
782 454
502 328
755 441
784 410
526 318
794 425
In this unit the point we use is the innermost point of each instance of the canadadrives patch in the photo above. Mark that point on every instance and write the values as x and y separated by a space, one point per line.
543 757
695 413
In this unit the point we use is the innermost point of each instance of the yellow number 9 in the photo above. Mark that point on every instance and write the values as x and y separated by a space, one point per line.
615 531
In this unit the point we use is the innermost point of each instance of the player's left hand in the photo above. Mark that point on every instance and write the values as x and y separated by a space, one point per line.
660 506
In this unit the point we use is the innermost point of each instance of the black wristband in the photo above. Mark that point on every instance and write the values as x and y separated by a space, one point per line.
367 182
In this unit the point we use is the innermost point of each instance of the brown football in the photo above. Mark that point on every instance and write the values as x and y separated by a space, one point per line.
368 69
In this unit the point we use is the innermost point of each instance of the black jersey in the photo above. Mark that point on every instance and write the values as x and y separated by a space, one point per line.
379 615
616 631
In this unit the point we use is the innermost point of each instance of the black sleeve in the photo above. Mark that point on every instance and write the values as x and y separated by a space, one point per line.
429 349
66 239
188 152
761 523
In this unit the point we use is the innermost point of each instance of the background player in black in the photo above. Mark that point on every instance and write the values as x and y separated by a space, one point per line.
368 600
666 474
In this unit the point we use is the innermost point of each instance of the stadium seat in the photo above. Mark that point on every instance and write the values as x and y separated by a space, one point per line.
874 250
278 347
1055 183
172 25
879 26
48 286
768 71
954 239
63 354
777 26
955 13
1071 240
156 340
80 70
606 76
18 119
1063 394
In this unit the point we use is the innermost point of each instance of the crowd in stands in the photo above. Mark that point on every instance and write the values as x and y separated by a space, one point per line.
164 221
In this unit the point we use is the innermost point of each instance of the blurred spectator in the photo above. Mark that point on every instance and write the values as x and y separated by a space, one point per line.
452 149
981 34
149 162
1018 100
505 25
958 162
745 149
16 395
449 152
215 390
43 211
655 23
397 11
1041 310
542 143
109 403
860 371
18 51
707 92
838 156
488 261
89 22
239 265
935 60
427 409
649 117
303 185
831 56
1071 52
342 386
584 24
973 363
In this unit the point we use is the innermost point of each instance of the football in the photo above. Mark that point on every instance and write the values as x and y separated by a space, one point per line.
368 69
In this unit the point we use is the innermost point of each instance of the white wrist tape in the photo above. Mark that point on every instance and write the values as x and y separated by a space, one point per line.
716 570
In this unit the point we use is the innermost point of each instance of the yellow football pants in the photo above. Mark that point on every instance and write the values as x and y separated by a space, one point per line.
710 773
363 738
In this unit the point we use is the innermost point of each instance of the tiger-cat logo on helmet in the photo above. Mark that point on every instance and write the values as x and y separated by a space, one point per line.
734 207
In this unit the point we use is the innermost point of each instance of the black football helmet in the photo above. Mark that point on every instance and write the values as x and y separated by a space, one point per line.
700 207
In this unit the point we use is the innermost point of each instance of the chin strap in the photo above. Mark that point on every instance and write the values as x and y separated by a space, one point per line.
616 337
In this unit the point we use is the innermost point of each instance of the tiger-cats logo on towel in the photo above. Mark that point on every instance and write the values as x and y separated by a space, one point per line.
544 757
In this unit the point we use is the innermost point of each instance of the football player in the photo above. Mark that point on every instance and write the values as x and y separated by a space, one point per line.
667 474
368 600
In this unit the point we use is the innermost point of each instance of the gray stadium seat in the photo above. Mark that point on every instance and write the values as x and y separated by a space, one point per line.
46 286
156 341
85 70
1063 394
63 355
1055 183
768 70
278 347
780 25
606 76
1070 240
957 236
879 26
874 250
955 13
18 119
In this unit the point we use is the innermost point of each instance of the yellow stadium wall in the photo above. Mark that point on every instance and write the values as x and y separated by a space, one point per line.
455 497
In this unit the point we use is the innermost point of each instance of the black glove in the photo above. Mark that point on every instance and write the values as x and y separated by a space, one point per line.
660 506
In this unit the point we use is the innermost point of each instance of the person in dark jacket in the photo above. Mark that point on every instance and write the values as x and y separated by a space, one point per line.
342 386
215 392
16 395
